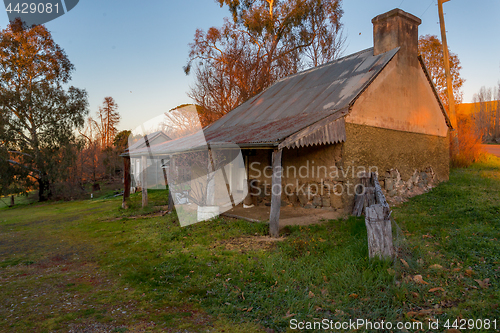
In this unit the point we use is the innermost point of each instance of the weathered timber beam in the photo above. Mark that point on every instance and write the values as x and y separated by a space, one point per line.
126 182
275 194
144 181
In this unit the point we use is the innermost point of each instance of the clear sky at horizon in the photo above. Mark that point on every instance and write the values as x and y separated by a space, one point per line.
134 51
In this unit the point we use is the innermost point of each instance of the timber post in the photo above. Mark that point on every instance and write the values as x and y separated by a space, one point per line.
210 194
378 224
126 181
144 180
274 216
171 180
165 176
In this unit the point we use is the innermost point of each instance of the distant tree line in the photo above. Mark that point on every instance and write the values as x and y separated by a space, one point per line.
486 113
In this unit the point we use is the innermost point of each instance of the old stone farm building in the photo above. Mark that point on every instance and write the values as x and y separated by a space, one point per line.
375 110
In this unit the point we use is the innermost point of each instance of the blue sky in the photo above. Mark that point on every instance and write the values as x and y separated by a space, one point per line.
134 50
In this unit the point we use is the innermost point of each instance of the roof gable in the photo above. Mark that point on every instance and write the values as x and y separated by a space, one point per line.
157 137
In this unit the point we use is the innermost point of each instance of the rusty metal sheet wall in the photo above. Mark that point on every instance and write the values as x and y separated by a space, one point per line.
331 133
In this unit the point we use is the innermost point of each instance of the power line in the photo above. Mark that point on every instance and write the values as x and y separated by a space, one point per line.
401 3
432 1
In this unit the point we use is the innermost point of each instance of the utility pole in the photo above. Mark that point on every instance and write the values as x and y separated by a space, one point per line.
451 99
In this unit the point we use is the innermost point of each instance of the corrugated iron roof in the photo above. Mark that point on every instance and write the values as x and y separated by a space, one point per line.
141 143
299 100
291 104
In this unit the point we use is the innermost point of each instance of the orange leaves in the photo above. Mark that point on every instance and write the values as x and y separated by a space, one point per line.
469 272
436 267
418 279
483 283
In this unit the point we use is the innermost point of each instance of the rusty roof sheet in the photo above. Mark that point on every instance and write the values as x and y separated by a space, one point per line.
299 100
290 105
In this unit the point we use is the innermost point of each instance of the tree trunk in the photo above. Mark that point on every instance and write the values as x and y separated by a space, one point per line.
126 182
43 189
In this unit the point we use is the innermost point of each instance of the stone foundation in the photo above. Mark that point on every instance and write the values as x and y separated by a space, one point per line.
396 189
311 194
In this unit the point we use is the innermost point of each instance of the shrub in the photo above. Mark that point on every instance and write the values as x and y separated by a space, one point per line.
469 143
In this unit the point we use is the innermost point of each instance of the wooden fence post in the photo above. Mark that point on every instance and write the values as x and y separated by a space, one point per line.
378 224
274 217
126 181
379 231
144 180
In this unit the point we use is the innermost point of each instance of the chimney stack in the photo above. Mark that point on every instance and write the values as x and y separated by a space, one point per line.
397 28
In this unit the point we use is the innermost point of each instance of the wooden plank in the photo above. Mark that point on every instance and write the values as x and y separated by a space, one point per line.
126 182
233 216
379 195
363 200
228 186
144 180
274 216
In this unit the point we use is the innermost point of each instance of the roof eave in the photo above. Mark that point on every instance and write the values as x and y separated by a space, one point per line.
434 90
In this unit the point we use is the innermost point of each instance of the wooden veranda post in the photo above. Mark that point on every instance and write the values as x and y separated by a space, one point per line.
274 217
144 180
126 181
165 177
171 179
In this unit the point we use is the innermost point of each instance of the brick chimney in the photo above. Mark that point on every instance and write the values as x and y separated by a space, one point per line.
397 28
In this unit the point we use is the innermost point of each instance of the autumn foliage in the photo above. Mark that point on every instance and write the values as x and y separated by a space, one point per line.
469 143
469 135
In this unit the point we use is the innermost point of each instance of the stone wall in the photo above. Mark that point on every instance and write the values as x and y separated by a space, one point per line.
310 177
401 159
397 189
326 176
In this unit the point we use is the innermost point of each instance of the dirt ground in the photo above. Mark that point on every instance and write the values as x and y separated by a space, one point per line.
288 215
492 149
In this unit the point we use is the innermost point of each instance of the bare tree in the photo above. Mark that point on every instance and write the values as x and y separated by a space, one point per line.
487 113
265 41
108 117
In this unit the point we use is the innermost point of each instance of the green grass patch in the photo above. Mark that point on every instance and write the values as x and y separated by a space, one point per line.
135 266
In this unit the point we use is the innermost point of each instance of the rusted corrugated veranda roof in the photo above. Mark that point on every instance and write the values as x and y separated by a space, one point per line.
320 95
